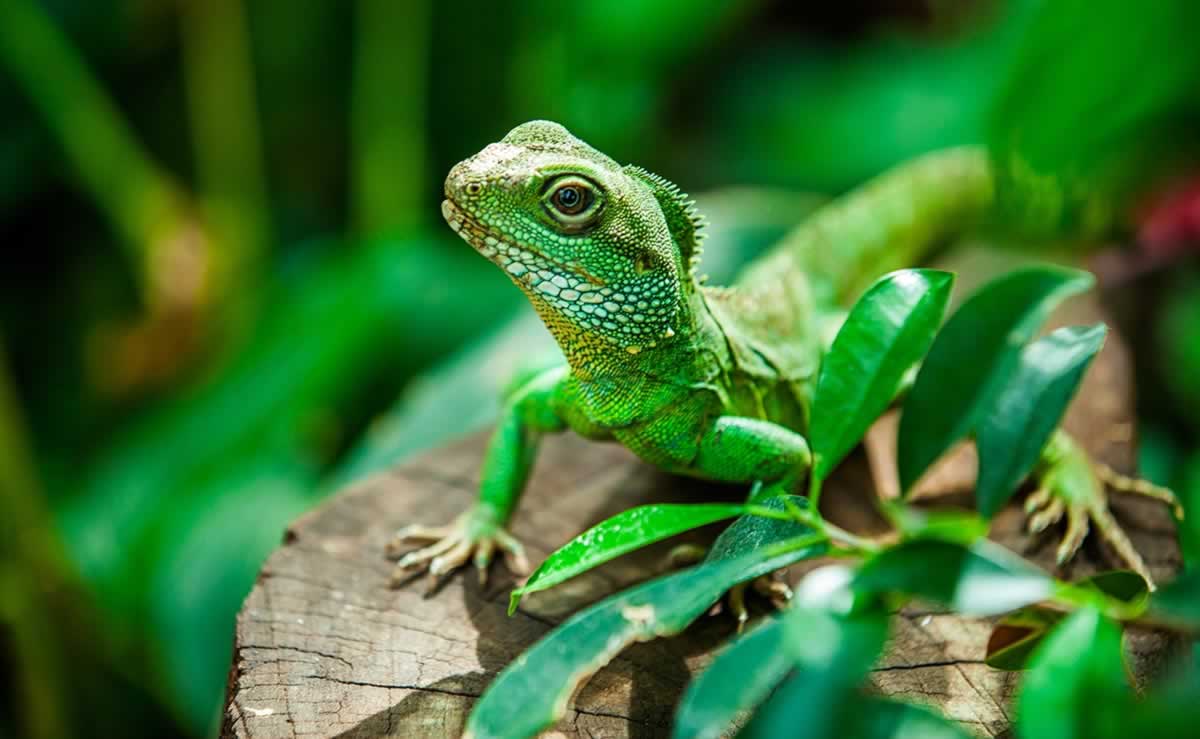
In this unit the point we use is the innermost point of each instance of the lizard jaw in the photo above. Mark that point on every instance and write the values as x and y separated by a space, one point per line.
470 230
523 263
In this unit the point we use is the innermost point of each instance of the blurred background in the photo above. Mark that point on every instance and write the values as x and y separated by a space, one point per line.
227 289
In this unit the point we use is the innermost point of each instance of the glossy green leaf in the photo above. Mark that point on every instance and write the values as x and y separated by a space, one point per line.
972 358
888 330
879 718
983 579
532 692
628 530
1126 586
1178 603
1171 708
1015 636
833 652
740 677
1019 421
824 612
1076 684
753 532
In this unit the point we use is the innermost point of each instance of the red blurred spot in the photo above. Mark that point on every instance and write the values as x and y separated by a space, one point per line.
1170 223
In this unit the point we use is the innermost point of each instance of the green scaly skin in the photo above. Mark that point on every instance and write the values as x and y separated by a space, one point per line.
708 382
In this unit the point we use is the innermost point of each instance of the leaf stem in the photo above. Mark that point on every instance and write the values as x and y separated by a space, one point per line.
833 532
764 512
387 116
853 541
815 484
226 138
797 542
141 201
32 572
1070 597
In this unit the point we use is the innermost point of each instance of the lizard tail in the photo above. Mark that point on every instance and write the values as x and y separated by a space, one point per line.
893 221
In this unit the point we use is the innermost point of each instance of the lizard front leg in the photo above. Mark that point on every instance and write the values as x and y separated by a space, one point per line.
532 410
751 450
1068 482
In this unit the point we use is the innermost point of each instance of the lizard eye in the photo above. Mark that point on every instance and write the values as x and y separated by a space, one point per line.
572 201
569 199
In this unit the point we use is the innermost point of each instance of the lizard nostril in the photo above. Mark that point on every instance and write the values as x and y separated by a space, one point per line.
473 188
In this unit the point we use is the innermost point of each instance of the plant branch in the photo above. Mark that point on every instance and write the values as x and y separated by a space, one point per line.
833 532
388 115
143 204
226 136
31 566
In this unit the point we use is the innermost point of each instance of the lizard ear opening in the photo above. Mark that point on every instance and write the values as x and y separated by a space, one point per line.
683 220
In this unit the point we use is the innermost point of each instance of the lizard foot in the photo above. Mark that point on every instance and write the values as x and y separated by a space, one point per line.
474 535
771 586
1070 484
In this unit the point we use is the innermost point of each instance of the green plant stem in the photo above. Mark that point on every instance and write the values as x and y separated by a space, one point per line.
790 545
388 115
836 533
140 200
226 136
764 512
814 489
1070 597
833 532
30 568
825 529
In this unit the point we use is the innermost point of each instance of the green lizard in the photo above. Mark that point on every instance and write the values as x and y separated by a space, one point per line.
709 382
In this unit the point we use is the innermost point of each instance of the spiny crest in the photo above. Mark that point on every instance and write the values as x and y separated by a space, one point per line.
685 222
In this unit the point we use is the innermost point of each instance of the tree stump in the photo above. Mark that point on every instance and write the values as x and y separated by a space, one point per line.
325 648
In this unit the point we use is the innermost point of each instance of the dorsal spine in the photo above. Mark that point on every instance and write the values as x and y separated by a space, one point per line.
685 222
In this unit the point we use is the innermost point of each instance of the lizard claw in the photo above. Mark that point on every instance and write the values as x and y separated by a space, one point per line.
773 588
1043 510
737 604
473 536
770 586
415 532
684 555
1135 486
1071 484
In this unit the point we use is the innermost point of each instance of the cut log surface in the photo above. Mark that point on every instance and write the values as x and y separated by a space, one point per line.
325 648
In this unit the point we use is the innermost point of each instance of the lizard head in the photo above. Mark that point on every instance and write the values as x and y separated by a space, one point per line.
586 239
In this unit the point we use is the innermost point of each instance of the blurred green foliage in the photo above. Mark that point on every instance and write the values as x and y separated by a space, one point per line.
226 263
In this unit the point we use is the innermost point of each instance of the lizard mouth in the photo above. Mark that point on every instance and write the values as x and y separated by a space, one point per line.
472 231
519 260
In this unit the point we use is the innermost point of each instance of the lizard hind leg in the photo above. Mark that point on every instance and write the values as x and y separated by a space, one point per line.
771 586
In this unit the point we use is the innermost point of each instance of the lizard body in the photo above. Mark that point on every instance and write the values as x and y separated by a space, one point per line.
708 382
